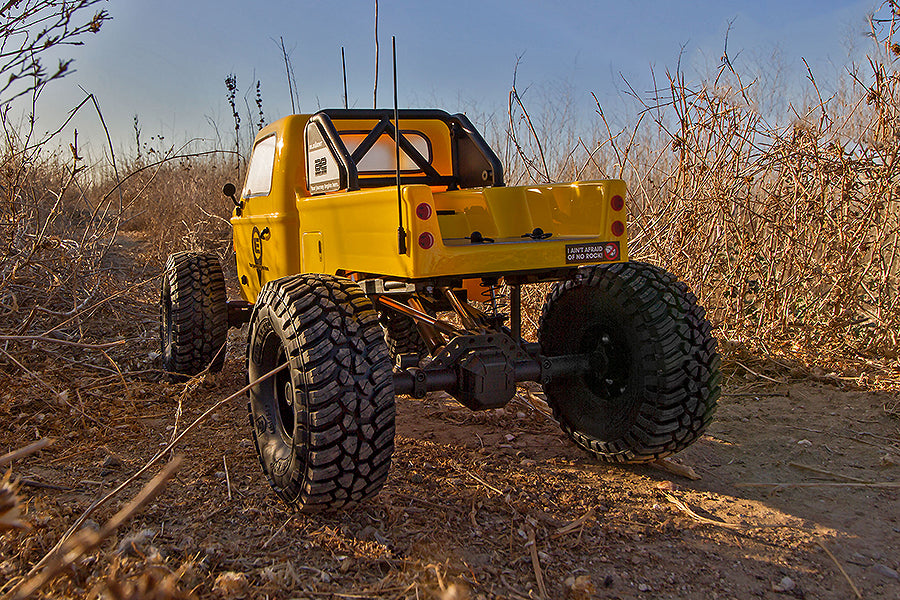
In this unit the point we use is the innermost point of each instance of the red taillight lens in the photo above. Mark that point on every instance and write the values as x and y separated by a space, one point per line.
618 228
426 240
617 202
423 211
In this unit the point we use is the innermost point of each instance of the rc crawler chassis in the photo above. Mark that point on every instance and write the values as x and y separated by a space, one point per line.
375 264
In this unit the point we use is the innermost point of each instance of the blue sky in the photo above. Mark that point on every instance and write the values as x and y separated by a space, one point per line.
166 60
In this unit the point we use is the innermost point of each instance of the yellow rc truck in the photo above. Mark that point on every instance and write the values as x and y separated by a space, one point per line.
376 264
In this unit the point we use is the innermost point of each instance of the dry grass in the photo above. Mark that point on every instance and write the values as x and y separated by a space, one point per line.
788 234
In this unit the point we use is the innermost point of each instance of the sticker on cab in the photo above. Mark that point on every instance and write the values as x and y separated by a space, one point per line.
591 253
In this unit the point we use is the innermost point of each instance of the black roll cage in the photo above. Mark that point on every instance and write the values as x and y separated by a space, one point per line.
474 163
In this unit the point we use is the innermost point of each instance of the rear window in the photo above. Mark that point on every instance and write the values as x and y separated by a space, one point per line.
262 163
382 157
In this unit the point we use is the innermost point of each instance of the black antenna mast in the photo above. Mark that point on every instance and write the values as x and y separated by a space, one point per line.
344 68
401 233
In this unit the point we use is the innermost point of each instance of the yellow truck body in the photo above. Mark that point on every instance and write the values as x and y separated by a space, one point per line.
288 223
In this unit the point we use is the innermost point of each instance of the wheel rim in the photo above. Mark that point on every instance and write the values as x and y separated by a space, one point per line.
607 377
167 323
284 399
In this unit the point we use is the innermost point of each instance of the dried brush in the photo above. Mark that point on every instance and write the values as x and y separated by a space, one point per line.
150 585
10 508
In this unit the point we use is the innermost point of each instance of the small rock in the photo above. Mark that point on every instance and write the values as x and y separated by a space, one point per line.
231 585
91 524
346 565
210 554
527 462
136 544
509 437
7 567
370 534
804 443
785 585
889 461
580 588
886 571
456 592
643 587
111 462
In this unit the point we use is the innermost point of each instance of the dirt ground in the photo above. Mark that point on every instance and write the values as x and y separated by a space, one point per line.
797 495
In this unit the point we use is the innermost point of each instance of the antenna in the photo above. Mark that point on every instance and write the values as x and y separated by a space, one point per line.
344 68
375 93
401 233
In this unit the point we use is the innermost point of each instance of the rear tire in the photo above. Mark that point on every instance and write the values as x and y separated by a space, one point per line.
324 427
193 314
654 379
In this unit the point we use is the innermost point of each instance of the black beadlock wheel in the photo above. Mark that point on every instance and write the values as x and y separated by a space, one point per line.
193 314
653 379
401 335
323 427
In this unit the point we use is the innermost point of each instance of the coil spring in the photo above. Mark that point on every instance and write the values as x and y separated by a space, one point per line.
495 294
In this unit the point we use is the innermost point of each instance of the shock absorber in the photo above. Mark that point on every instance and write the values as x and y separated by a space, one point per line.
493 293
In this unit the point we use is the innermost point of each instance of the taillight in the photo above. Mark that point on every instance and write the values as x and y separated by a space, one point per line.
426 240
617 202
618 228
423 211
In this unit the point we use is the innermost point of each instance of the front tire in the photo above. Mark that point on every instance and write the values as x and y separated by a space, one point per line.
193 314
653 381
324 427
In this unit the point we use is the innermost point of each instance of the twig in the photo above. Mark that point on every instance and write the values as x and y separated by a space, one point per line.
827 473
841 435
22 452
760 375
41 485
685 509
79 311
813 484
665 464
536 563
483 482
34 375
49 340
277 531
87 539
841 568
227 476
535 402
576 524
150 463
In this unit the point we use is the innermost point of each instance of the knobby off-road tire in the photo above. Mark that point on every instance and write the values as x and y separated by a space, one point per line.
653 381
193 314
323 427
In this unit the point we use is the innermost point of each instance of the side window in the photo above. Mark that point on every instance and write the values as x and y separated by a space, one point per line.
262 163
